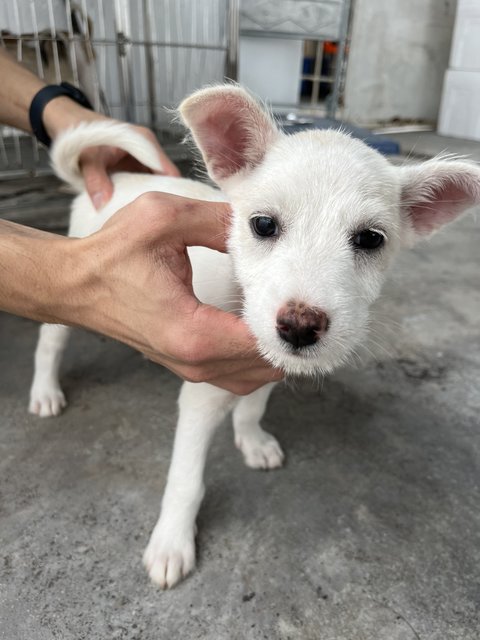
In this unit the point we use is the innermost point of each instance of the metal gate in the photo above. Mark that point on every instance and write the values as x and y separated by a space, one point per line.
133 58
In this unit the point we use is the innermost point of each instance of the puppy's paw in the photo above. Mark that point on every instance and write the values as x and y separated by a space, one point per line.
260 450
46 400
168 559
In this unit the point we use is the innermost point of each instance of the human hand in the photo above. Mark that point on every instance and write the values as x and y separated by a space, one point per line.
17 90
136 286
98 163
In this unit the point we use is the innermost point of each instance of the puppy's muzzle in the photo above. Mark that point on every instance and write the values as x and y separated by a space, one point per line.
299 325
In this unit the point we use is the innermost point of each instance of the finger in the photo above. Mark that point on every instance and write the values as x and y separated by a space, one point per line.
97 182
256 372
242 369
168 167
132 165
223 335
213 340
244 386
241 377
242 372
200 223
223 347
241 383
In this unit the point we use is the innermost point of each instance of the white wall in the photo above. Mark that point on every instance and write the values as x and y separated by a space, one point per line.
270 68
398 55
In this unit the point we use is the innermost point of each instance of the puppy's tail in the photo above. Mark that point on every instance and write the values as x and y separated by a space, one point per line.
69 145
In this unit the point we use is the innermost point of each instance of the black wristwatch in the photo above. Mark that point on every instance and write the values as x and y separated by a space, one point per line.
43 97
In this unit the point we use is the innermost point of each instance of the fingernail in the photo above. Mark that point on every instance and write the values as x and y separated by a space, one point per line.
98 199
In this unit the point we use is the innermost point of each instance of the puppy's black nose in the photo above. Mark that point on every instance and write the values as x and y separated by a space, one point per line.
300 325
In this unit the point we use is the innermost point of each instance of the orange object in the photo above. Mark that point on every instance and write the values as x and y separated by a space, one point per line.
330 47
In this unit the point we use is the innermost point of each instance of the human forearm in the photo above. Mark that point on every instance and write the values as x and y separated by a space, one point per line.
17 90
38 274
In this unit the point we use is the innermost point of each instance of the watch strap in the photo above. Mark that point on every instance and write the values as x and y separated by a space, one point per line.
43 97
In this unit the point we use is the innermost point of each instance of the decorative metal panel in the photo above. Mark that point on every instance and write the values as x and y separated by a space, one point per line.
302 18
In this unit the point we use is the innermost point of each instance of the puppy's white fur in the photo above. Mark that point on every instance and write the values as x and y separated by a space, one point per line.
322 188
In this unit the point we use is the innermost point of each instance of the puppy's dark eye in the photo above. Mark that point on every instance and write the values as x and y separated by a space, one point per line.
368 240
264 226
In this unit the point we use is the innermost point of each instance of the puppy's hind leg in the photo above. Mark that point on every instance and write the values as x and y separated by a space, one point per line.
260 449
46 396
170 554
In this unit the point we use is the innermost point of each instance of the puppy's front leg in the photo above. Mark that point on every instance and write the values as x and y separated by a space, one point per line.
260 449
170 554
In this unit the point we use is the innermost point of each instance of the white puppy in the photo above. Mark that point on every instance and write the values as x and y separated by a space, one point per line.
318 218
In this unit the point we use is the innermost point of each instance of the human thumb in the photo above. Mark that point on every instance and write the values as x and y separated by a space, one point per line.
97 183
201 223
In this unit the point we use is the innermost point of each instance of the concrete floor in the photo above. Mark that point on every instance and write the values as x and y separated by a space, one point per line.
370 532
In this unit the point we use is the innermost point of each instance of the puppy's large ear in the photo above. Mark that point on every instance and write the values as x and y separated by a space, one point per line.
438 191
229 127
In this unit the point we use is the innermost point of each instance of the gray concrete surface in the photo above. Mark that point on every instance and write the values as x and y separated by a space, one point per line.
370 532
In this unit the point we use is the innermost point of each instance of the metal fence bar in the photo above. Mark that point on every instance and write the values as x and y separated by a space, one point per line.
97 102
150 62
73 53
124 43
3 152
56 60
317 72
102 65
132 41
231 70
334 97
